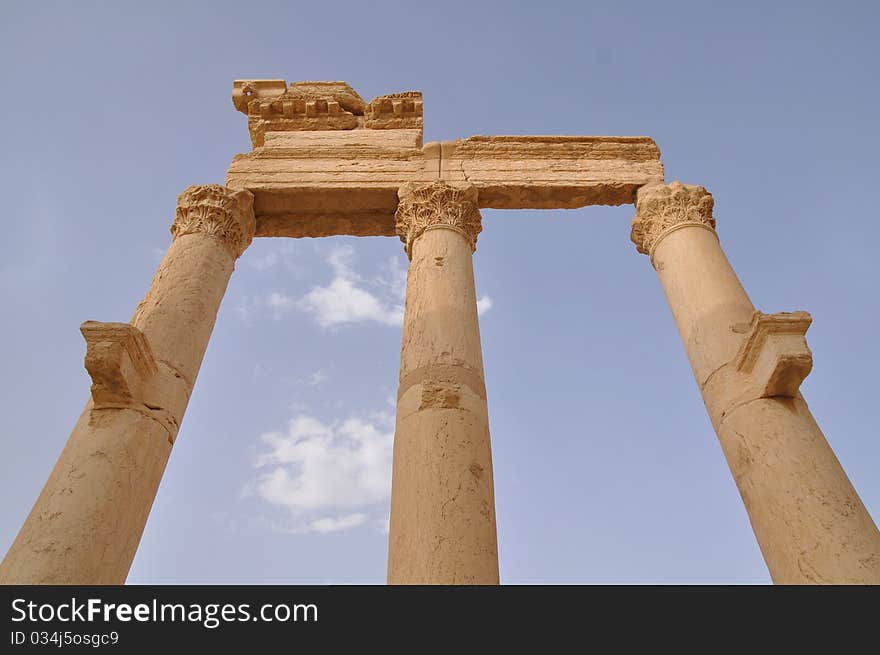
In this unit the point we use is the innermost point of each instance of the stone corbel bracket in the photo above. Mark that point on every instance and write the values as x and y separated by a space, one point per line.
774 353
122 367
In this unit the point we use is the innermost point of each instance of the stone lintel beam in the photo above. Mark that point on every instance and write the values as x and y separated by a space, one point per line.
322 183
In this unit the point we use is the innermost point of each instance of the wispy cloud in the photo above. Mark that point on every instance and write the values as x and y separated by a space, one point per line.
266 255
348 300
327 475
264 262
337 524
279 303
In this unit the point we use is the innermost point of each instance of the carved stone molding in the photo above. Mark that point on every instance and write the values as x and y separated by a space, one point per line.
395 111
662 208
271 106
426 206
775 353
119 361
225 213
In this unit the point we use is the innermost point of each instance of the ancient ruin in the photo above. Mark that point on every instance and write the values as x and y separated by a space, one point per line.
325 162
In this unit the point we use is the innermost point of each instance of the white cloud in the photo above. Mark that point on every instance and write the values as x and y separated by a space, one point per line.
264 255
397 283
346 300
337 524
315 378
280 303
348 297
326 475
264 262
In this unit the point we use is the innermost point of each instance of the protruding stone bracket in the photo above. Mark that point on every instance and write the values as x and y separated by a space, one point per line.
774 353
119 361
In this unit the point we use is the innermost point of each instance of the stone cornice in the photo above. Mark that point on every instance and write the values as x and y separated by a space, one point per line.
434 205
274 107
662 208
218 211
397 111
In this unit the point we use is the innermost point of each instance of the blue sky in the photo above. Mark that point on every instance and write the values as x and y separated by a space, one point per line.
606 466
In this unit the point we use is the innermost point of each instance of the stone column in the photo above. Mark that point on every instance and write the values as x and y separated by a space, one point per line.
810 524
442 501
87 522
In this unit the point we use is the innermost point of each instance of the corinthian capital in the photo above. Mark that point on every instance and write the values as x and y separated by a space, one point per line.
662 208
426 206
227 214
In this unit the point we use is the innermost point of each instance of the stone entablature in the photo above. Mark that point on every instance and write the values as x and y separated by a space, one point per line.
325 162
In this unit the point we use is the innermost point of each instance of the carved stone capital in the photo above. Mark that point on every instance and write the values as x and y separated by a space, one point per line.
662 208
227 214
427 206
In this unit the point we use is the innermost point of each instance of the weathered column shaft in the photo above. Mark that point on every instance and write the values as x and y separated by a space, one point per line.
808 519
87 522
442 503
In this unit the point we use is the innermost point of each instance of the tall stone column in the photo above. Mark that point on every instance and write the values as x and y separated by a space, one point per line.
87 522
810 523
442 501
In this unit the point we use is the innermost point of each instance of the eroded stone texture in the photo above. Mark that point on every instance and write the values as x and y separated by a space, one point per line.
442 527
437 205
302 106
395 112
552 172
87 522
335 177
807 517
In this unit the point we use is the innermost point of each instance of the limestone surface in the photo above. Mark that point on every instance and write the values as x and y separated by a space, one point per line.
87 522
808 519
319 176
442 528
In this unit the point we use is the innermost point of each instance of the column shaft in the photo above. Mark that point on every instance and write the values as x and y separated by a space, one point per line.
810 524
87 522
442 505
